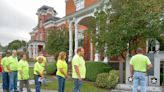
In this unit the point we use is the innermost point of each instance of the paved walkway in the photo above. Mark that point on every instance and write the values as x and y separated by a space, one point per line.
33 90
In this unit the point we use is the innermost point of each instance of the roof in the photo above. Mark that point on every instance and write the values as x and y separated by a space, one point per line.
53 19
45 7
86 10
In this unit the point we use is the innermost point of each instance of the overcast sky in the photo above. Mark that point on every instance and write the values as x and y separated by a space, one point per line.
18 17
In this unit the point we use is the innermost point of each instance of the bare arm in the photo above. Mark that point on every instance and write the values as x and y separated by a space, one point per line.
131 70
77 71
149 66
8 68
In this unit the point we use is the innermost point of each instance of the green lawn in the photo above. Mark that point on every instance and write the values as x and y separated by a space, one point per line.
53 85
87 86
31 72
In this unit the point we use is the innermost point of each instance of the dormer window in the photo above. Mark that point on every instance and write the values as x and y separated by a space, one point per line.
79 4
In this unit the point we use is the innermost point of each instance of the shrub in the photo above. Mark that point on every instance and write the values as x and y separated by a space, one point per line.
95 68
107 80
101 80
51 68
113 79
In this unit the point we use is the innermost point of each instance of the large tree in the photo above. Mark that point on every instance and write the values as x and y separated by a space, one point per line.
127 24
16 44
57 41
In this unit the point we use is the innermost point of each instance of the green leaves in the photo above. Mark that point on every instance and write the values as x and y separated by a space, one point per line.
58 40
131 21
16 44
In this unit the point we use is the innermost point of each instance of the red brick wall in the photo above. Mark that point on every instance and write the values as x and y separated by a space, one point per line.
90 2
71 8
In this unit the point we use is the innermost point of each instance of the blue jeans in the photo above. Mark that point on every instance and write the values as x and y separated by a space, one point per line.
37 83
77 85
13 78
139 77
5 81
61 83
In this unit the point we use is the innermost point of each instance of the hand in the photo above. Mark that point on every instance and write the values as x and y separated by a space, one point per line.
42 77
21 77
79 79
66 76
9 71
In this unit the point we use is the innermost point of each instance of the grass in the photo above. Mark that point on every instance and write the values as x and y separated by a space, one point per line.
31 72
87 86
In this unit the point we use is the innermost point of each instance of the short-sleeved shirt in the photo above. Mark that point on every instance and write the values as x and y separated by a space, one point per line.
44 60
140 62
4 64
80 62
38 67
13 63
61 64
24 68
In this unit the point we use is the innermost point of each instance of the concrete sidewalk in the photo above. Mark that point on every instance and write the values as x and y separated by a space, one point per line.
33 90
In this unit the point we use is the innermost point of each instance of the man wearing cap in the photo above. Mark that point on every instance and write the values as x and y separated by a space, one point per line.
139 64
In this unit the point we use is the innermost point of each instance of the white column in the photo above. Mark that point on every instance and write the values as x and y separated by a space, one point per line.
157 46
36 50
30 51
97 54
106 58
76 36
91 51
33 48
70 42
157 68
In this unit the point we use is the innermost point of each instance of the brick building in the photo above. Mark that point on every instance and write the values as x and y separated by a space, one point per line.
78 15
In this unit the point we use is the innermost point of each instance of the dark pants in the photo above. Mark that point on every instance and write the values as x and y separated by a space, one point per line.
5 81
77 85
26 83
13 81
37 83
61 84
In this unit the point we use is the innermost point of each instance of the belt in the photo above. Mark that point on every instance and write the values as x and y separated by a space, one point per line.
36 75
140 71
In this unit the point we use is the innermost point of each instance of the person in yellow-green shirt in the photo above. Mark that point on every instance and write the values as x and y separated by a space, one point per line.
78 69
5 76
61 73
44 63
38 74
12 65
23 73
139 64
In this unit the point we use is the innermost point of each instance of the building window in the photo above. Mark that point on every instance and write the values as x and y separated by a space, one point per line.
81 38
79 4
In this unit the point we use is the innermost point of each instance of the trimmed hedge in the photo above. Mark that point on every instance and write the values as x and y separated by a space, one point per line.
51 68
95 68
108 80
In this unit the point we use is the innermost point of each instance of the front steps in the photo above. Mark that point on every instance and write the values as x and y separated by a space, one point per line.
128 88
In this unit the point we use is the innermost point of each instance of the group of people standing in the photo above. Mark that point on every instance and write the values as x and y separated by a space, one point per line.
14 70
